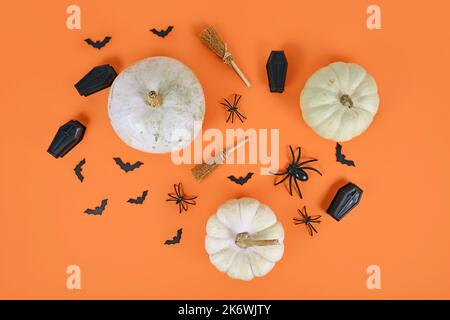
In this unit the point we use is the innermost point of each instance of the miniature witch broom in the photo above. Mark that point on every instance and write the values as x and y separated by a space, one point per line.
210 38
200 171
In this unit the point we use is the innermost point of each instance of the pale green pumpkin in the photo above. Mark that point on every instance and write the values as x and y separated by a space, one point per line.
339 101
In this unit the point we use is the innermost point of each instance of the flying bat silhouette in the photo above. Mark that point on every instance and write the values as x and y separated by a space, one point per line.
175 239
341 157
139 200
98 210
241 180
162 33
78 170
127 166
98 44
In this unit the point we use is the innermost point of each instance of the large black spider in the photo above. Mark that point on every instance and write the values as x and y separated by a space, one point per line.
180 198
232 109
296 171
307 220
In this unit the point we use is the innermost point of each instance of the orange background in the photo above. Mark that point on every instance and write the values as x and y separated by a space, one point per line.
402 223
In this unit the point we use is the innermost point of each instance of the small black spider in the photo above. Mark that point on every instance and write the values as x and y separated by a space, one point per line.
233 109
307 220
296 171
180 199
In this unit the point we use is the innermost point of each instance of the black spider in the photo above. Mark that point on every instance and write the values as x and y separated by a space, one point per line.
180 199
233 109
296 171
307 220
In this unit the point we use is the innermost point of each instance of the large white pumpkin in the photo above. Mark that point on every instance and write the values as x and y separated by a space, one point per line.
244 239
157 105
339 101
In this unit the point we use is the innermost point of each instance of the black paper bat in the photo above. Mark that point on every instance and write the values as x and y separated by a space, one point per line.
98 210
98 44
127 166
162 33
341 157
78 170
175 239
241 180
139 200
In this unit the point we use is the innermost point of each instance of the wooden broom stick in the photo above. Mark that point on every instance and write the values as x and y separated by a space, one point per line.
211 38
200 171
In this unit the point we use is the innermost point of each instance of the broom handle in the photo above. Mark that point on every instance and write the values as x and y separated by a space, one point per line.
230 150
240 74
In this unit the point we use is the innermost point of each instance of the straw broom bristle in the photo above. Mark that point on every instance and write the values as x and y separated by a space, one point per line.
210 38
200 171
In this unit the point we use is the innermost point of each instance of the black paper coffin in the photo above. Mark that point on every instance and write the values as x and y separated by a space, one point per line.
99 78
276 71
67 137
344 201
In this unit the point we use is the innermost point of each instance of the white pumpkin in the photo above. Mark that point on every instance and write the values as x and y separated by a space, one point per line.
157 105
244 239
339 101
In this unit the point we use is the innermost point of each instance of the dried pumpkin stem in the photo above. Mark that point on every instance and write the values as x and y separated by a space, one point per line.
244 240
154 99
346 101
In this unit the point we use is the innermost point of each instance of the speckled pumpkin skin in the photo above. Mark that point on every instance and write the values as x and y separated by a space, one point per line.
167 128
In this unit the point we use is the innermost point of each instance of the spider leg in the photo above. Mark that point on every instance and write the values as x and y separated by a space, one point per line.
314 229
190 201
292 154
298 221
313 169
224 104
243 116
190 198
282 180
240 116
172 196
229 116
232 117
315 219
302 214
279 173
171 199
236 101
290 185
308 161
177 189
298 154
298 190
228 104
183 206
237 111
308 226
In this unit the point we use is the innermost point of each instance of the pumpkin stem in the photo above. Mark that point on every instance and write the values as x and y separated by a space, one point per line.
346 101
244 240
154 99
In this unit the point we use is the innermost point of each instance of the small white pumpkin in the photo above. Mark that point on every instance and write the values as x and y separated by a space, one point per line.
244 239
339 101
157 105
